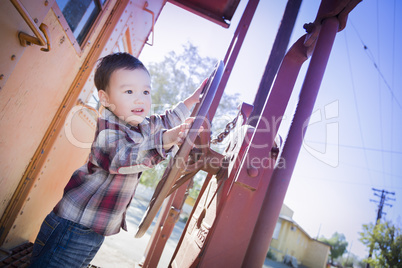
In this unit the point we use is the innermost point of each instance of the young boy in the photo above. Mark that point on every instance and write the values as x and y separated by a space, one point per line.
126 143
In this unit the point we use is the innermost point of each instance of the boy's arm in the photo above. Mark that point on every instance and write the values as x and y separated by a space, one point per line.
179 114
176 135
195 97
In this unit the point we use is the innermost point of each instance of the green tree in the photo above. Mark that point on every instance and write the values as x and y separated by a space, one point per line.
174 79
351 260
338 245
386 242
178 75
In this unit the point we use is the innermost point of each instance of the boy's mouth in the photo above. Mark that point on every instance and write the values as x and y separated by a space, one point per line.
138 110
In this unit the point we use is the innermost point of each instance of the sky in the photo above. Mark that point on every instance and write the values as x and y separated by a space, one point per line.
355 146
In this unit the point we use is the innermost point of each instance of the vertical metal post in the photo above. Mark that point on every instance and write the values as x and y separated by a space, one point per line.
151 254
156 245
280 179
239 205
164 226
275 58
233 52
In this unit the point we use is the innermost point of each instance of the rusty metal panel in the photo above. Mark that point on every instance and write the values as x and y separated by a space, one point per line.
74 140
38 9
34 103
33 86
28 102
11 24
218 11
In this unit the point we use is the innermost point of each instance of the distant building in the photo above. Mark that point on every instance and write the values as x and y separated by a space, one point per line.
291 242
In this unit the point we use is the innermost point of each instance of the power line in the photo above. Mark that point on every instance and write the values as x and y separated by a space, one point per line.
338 181
372 170
356 147
371 57
355 101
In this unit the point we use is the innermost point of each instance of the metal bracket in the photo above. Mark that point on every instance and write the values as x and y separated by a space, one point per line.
174 213
38 39
83 104
153 22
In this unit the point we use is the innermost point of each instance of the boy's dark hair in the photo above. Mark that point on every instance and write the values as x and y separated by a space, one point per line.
110 63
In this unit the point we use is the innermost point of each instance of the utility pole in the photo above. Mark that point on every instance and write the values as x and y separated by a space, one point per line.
381 204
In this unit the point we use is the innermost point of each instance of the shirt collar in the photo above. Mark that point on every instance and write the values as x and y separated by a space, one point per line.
111 117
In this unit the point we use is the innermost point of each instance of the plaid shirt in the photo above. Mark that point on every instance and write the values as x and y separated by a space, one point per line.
99 193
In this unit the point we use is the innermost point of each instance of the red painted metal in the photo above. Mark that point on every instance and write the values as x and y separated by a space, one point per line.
233 220
156 244
281 176
224 230
212 197
228 239
217 11
275 58
169 215
176 166
233 51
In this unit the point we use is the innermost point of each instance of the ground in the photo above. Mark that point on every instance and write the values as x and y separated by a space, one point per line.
123 250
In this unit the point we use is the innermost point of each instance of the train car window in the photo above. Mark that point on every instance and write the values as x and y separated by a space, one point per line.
80 15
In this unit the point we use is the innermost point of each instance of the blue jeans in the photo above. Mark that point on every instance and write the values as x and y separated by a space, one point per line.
63 243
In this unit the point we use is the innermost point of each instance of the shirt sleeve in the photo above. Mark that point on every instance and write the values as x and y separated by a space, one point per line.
171 118
120 153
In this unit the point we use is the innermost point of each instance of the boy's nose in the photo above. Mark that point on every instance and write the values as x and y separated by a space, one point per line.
138 100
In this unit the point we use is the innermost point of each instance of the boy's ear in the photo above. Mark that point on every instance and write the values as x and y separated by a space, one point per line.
103 98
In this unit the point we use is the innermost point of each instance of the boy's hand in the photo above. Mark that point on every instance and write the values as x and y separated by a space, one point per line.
177 135
195 97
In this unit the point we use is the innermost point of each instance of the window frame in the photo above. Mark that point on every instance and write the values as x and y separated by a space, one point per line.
60 16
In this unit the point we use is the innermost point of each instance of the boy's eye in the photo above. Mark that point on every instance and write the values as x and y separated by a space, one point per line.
146 92
129 91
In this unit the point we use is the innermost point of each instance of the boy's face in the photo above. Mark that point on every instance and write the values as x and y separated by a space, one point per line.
128 95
